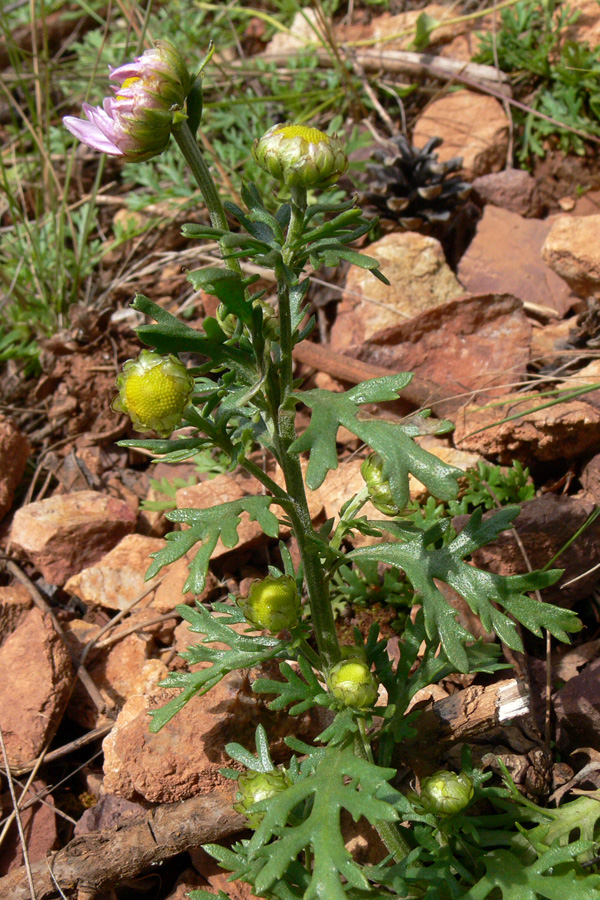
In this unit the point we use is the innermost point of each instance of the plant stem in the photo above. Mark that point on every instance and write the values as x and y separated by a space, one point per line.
389 833
316 585
194 157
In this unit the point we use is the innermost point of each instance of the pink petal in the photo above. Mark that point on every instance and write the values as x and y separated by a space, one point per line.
89 133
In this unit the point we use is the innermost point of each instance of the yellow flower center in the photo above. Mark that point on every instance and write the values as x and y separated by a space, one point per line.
312 135
153 394
127 83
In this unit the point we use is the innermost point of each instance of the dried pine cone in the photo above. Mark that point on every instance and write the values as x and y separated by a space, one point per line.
413 188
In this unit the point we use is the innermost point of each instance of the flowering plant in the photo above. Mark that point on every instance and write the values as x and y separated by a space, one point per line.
136 123
244 394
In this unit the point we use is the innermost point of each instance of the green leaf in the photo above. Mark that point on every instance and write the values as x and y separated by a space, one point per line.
245 651
507 874
194 105
339 781
423 564
262 762
393 441
425 25
170 335
304 692
228 286
206 527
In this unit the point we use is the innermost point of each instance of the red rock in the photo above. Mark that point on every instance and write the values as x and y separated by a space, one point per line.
506 255
184 758
66 533
572 250
36 675
39 825
117 671
217 877
419 279
188 881
577 710
116 579
565 431
108 812
14 453
587 25
15 603
544 525
458 348
473 126
511 189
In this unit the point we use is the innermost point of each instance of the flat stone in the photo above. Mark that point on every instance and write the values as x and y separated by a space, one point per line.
35 674
565 431
472 126
419 279
506 256
64 534
572 250
456 349
15 603
511 189
14 453
118 577
115 670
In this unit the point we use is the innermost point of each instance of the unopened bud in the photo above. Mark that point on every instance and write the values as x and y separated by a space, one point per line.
301 156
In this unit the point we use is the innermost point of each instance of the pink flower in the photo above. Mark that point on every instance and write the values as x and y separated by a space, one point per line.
136 123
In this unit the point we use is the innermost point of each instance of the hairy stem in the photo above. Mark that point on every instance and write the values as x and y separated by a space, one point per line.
389 833
194 157
316 585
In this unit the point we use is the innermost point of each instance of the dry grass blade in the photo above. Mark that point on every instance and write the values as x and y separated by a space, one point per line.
11 787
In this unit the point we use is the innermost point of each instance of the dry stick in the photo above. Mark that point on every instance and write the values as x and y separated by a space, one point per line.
95 735
11 788
407 61
14 771
81 673
444 69
101 860
538 597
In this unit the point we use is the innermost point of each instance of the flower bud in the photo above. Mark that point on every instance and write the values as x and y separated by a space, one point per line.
154 390
136 123
273 603
351 682
301 156
446 793
380 493
256 786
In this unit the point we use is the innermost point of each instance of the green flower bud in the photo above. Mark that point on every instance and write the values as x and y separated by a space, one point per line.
380 493
301 156
446 793
256 786
351 682
273 603
154 390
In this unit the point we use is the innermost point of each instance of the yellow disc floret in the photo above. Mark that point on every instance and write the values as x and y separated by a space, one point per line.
154 391
300 156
